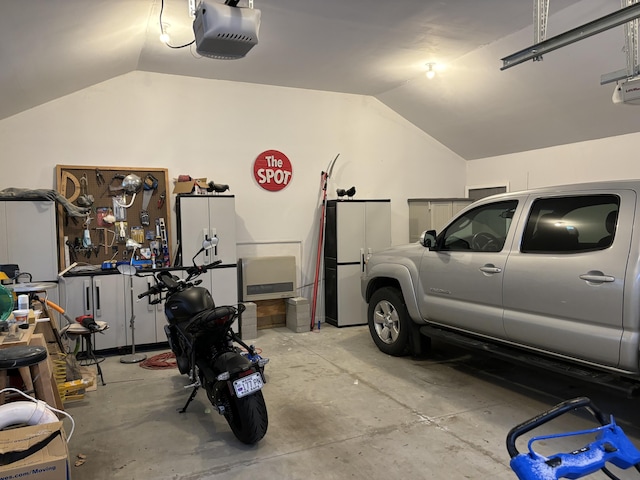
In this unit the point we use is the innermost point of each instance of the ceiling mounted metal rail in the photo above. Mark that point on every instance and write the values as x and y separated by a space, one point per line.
631 50
600 25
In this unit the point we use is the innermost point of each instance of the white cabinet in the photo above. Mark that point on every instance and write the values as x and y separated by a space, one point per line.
202 216
432 214
354 229
28 237
102 296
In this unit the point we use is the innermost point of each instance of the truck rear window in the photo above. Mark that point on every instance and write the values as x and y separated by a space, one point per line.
571 224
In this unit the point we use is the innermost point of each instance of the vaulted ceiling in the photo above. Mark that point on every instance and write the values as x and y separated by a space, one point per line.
50 48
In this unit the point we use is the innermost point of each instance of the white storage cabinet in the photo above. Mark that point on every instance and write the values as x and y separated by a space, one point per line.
354 229
28 237
202 216
102 296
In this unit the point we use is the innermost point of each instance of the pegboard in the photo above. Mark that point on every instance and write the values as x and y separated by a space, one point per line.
107 241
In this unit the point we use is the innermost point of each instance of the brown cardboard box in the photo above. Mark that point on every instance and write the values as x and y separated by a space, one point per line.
46 462
188 187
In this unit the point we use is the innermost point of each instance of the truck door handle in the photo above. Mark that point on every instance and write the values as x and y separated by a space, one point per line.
490 269
597 277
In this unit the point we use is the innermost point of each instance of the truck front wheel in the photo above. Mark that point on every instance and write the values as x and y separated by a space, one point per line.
389 321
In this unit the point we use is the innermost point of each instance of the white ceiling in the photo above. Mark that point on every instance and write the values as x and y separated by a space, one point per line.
50 48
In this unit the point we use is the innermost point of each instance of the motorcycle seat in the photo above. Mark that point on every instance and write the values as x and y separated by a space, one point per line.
217 316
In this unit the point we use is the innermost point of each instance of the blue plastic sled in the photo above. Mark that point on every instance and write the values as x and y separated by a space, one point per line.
611 445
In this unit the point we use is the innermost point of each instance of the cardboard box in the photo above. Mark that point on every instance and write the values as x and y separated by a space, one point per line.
199 185
47 461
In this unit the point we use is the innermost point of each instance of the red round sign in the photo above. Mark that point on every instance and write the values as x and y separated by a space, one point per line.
272 170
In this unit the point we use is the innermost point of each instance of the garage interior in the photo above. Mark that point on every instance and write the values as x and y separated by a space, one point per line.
88 86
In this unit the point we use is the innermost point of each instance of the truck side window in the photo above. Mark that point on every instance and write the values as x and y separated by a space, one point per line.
571 224
483 229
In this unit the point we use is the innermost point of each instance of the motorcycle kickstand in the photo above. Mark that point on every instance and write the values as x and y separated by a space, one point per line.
191 397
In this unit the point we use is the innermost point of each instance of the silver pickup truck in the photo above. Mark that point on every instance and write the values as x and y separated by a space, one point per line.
548 276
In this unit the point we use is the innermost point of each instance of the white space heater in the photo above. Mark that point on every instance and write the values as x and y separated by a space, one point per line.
265 278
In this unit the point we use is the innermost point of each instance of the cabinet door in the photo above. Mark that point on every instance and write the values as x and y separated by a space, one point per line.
441 213
194 225
351 306
109 306
76 296
377 226
202 216
222 224
224 287
102 297
419 219
31 238
145 313
350 231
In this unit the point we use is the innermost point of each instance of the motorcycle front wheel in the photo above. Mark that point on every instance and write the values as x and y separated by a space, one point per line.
247 417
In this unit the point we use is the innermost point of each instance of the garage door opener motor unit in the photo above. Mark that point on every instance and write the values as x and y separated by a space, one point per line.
627 91
225 31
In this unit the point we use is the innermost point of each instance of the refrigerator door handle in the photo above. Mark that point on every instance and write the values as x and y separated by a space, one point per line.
362 260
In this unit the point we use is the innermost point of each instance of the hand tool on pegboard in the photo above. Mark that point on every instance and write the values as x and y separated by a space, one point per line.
99 177
161 231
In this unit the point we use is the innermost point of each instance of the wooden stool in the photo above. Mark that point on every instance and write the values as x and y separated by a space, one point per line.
25 358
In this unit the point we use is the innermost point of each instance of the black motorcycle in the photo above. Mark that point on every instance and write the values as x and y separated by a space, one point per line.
204 343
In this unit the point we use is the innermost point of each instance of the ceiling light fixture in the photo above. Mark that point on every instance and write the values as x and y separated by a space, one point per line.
430 71
164 36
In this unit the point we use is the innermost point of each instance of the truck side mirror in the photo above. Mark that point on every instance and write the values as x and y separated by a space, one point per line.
428 238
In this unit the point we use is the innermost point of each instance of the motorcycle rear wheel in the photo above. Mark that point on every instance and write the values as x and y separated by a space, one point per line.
247 417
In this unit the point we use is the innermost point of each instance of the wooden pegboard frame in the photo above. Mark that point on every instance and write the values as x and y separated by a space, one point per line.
69 184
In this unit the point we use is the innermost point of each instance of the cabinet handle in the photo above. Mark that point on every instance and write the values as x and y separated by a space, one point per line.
87 297
98 310
149 306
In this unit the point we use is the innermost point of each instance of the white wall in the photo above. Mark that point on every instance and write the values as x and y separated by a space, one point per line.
216 129
612 158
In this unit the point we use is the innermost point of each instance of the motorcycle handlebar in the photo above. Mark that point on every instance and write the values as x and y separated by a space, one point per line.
168 281
198 269
152 291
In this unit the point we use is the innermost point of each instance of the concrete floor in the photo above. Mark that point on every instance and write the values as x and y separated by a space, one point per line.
338 408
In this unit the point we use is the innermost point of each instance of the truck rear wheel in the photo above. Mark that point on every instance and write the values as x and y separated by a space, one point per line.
389 321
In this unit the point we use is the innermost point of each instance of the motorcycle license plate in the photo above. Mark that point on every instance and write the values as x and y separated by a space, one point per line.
247 385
